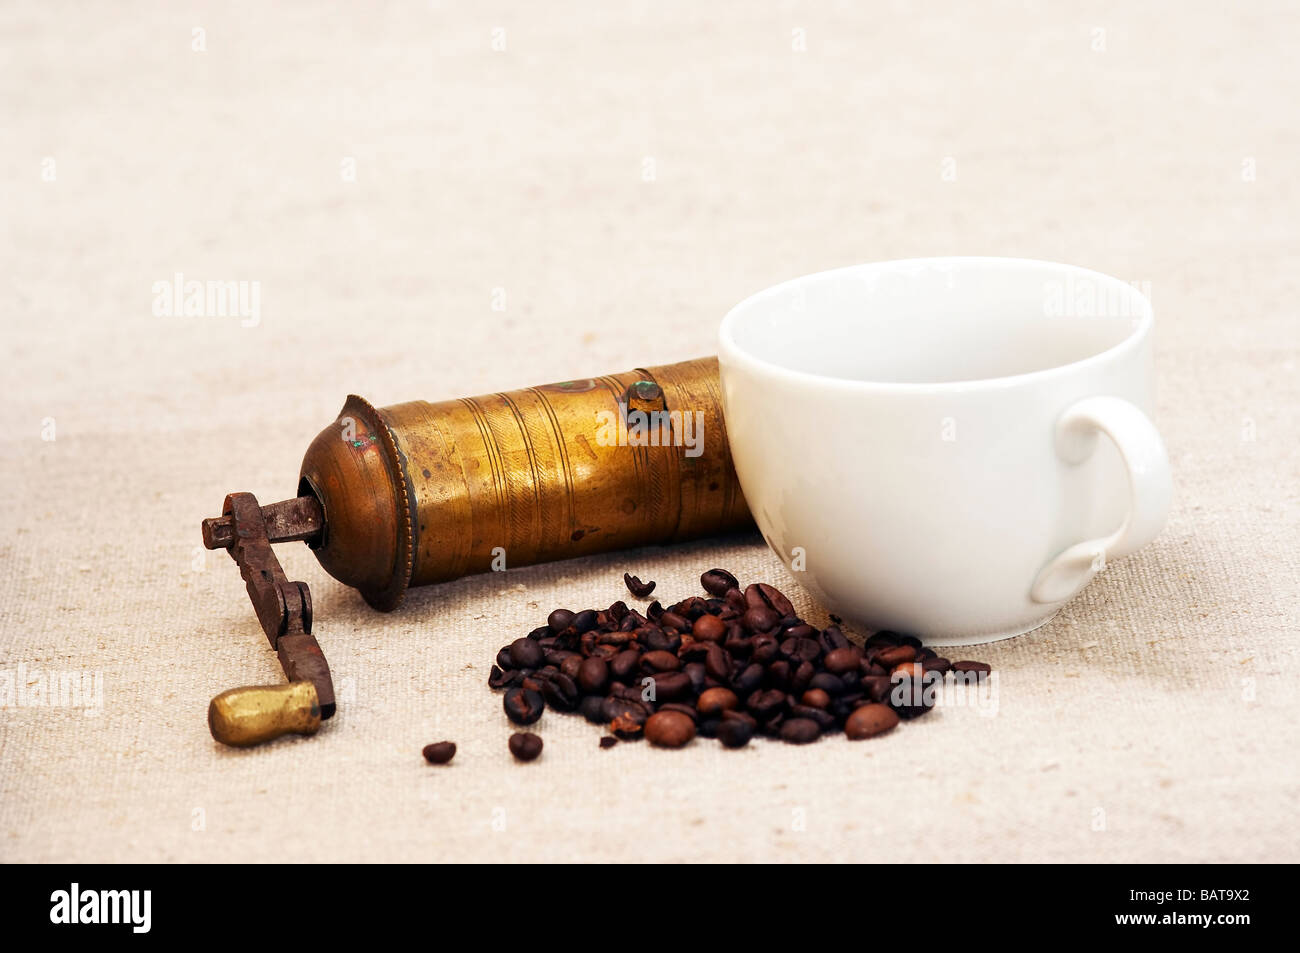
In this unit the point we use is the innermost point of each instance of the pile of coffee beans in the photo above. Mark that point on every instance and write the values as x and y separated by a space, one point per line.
730 665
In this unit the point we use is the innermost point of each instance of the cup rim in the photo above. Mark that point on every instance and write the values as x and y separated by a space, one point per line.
730 350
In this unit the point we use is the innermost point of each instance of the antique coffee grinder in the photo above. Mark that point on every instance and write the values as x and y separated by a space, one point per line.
420 493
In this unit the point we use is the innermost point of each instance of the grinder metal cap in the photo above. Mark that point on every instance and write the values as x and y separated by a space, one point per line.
356 471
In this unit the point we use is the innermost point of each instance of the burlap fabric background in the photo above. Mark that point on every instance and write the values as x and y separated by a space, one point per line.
623 178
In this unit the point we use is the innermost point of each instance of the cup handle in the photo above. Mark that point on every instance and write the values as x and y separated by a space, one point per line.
1150 489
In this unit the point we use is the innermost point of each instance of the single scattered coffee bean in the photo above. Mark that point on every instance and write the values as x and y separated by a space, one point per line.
870 720
523 706
525 745
638 588
608 741
440 752
977 667
669 729
716 582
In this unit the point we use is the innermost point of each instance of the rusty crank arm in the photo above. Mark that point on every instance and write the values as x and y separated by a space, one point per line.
251 715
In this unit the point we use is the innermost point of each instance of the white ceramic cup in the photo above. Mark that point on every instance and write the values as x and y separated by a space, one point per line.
921 442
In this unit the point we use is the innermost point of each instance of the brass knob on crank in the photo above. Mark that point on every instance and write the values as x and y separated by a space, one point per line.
248 716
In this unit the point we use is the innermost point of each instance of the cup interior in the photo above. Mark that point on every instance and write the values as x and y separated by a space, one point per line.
937 320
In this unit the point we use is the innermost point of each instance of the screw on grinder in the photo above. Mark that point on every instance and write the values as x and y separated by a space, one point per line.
421 493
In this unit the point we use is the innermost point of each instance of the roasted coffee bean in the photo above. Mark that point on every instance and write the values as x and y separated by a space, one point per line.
657 640
716 582
749 679
936 664
833 638
766 705
498 678
670 686
584 621
559 620
799 731
714 701
709 628
776 599
883 639
795 629
619 610
572 665
760 619
638 588
503 659
830 684
525 745
660 661
839 661
593 675
630 724
523 706
877 687
801 650
669 729
911 696
593 709
625 664
541 633
717 663
870 720
695 671
561 692
688 710
890 658
907 670
735 733
778 675
654 611
978 667
802 678
911 640
614 706
737 644
671 620
440 752
708 727
765 648
816 698
608 741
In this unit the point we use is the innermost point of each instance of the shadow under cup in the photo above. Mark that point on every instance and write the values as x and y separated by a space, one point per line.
897 429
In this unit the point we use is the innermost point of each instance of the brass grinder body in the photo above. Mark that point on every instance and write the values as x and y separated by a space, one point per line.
421 493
